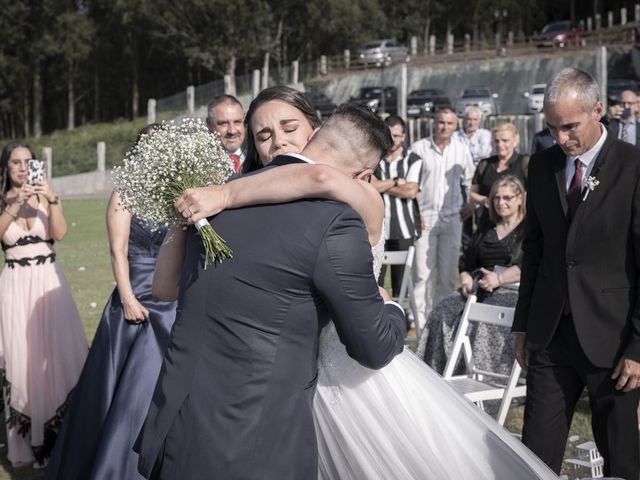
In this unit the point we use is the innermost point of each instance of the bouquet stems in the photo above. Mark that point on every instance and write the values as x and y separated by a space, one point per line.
215 248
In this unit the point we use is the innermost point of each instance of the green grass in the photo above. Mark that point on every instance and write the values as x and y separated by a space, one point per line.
84 255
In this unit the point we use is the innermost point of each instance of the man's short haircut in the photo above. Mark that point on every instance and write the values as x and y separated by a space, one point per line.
443 110
219 100
358 130
393 121
573 82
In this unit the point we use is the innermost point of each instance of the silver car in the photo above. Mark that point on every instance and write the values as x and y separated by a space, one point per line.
382 53
481 97
535 98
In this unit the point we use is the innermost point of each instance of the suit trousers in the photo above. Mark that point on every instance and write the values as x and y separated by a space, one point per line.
556 379
397 271
435 265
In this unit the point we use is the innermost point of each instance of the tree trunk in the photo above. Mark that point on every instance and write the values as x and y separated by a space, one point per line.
135 93
96 95
426 33
71 100
25 124
37 102
230 68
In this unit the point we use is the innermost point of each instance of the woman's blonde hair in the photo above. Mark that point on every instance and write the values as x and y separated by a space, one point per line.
518 189
509 127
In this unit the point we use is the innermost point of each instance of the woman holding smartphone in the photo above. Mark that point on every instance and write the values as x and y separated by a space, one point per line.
42 343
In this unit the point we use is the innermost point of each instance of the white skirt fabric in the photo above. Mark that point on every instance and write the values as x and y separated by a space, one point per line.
404 422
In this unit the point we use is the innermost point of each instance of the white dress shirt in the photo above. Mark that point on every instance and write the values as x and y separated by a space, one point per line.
587 159
444 173
479 143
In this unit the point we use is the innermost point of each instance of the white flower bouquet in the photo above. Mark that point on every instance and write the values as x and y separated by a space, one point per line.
162 165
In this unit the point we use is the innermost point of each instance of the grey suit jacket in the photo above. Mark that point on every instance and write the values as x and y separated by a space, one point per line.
235 393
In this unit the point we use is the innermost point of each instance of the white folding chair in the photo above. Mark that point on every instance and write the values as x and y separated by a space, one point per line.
479 385
405 296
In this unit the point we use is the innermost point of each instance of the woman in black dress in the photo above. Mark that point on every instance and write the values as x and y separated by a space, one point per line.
489 268
507 161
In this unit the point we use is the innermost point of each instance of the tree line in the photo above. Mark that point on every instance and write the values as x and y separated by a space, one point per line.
64 63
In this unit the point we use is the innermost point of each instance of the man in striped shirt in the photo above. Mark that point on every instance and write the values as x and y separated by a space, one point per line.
447 166
397 178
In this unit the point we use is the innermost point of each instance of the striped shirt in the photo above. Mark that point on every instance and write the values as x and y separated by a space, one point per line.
444 173
401 215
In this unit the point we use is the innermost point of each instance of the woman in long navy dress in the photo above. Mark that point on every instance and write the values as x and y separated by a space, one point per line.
115 388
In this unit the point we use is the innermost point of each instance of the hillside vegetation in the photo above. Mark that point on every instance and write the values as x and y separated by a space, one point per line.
75 151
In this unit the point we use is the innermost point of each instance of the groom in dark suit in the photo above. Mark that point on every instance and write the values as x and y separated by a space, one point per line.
577 314
235 393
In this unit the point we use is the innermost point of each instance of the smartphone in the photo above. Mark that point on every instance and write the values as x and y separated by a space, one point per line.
477 274
36 171
625 113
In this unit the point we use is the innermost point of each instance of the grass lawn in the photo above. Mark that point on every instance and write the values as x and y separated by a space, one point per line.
84 255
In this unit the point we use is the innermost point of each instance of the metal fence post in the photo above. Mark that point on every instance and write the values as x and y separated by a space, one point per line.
402 92
347 58
255 83
191 99
230 85
295 72
47 156
102 156
151 110
323 65
623 16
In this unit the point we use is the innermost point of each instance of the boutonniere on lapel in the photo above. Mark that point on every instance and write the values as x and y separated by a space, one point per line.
590 185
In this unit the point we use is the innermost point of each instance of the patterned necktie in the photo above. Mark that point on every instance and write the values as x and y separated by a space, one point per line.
575 189
624 136
236 162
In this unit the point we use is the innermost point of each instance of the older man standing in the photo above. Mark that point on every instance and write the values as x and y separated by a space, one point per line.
477 139
624 123
226 116
577 317
446 166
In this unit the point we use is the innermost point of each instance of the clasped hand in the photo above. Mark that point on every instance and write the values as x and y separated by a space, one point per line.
198 203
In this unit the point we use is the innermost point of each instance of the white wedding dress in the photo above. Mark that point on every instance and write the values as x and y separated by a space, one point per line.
403 422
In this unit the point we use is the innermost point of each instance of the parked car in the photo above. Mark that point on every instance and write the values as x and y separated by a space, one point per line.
382 53
559 34
615 86
425 102
481 97
378 99
323 106
535 98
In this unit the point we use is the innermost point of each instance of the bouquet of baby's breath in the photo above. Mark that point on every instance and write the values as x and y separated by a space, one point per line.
162 165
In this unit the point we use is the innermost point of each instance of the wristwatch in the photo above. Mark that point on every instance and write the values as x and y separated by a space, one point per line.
395 182
55 201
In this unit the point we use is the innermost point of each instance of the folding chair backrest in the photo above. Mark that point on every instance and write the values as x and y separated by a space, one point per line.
479 312
405 296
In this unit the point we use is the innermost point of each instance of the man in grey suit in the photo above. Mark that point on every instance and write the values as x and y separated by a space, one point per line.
235 393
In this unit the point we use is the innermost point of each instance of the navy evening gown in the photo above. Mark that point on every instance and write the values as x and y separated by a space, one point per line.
115 388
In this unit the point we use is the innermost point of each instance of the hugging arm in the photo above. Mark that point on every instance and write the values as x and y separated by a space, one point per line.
372 331
284 184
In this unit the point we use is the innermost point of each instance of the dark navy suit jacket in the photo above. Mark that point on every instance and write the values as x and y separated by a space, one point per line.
235 393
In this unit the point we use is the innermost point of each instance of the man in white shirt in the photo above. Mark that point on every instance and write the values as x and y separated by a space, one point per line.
226 116
477 139
446 167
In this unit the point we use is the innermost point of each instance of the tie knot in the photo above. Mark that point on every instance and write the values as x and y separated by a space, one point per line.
578 164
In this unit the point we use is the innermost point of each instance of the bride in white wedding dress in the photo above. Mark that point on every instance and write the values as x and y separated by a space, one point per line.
402 422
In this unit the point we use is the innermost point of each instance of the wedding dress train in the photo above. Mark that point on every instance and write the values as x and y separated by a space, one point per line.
404 422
